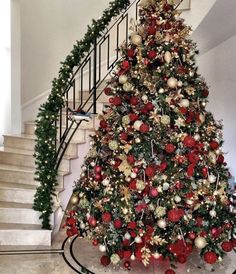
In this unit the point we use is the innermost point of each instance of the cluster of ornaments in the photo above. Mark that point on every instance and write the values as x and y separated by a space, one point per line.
154 185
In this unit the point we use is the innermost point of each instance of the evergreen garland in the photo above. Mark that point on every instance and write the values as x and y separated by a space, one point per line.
46 131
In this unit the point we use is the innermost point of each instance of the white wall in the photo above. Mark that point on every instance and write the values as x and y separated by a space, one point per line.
49 29
218 68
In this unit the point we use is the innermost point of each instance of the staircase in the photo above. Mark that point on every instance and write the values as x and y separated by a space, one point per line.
19 223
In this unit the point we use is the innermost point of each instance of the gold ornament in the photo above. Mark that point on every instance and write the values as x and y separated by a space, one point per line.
128 87
125 120
167 57
184 103
123 79
136 39
200 242
113 145
172 82
161 223
74 199
165 119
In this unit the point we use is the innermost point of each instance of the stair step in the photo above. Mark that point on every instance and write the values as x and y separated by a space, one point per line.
25 158
24 234
23 175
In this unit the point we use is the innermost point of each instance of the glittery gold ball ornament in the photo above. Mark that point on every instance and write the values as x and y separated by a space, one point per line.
136 39
165 119
200 242
172 82
125 120
127 87
184 103
74 199
123 79
113 145
167 57
137 124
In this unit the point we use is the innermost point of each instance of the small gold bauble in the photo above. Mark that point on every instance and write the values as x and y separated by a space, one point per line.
136 39
200 242
74 199
123 79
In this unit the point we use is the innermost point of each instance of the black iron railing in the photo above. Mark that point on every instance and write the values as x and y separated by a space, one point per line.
84 87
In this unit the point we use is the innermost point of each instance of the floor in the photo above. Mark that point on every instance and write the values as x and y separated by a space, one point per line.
89 257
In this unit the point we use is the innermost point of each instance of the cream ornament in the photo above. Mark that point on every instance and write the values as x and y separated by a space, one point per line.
211 178
102 248
137 124
127 87
123 79
161 223
180 84
115 259
161 90
172 82
133 175
202 118
127 236
165 119
106 182
167 57
200 242
113 145
212 213
212 157
136 39
184 103
156 255
82 226
196 137
177 199
145 98
132 258
138 240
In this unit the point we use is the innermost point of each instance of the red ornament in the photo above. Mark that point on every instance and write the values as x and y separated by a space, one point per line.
72 231
117 101
108 91
120 253
183 110
98 169
205 93
210 257
215 232
179 185
133 117
131 159
71 221
163 166
170 271
190 170
214 145
152 54
106 217
220 159
123 136
125 65
175 214
170 148
103 124
144 128
95 242
117 223
92 221
130 53
150 171
127 264
149 106
127 254
182 259
138 254
151 30
192 235
132 225
189 141
204 171
132 185
105 260
135 169
167 25
153 192
98 177
134 100
227 246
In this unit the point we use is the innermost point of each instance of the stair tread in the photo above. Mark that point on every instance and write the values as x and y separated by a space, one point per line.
6 185
12 205
21 135
17 151
17 168
12 226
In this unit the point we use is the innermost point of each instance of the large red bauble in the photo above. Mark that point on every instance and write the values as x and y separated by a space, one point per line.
227 246
175 214
103 124
151 30
72 231
150 171
170 148
106 217
152 54
98 169
130 53
131 159
153 192
170 271
182 259
117 101
138 254
149 106
134 100
215 232
210 257
125 65
117 223
132 225
71 221
92 221
132 185
123 136
127 254
105 260
189 141
214 145
133 117
144 128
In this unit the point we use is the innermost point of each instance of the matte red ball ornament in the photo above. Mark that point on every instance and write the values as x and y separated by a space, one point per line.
144 128
175 214
151 30
108 91
227 246
204 171
106 217
127 254
117 223
117 101
170 148
131 159
153 192
98 169
182 259
150 171
92 221
125 65
149 106
133 117
189 141
214 145
152 54
103 124
210 257
134 100
130 53
105 260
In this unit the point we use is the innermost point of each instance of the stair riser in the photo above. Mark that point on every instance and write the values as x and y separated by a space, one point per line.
19 216
17 195
20 143
26 160
25 237
79 135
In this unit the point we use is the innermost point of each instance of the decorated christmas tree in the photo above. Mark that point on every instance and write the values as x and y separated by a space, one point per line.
154 184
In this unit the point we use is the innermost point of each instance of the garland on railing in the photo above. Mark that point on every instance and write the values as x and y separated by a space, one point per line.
46 131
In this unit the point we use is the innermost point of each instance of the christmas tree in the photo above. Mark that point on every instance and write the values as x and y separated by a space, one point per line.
154 184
